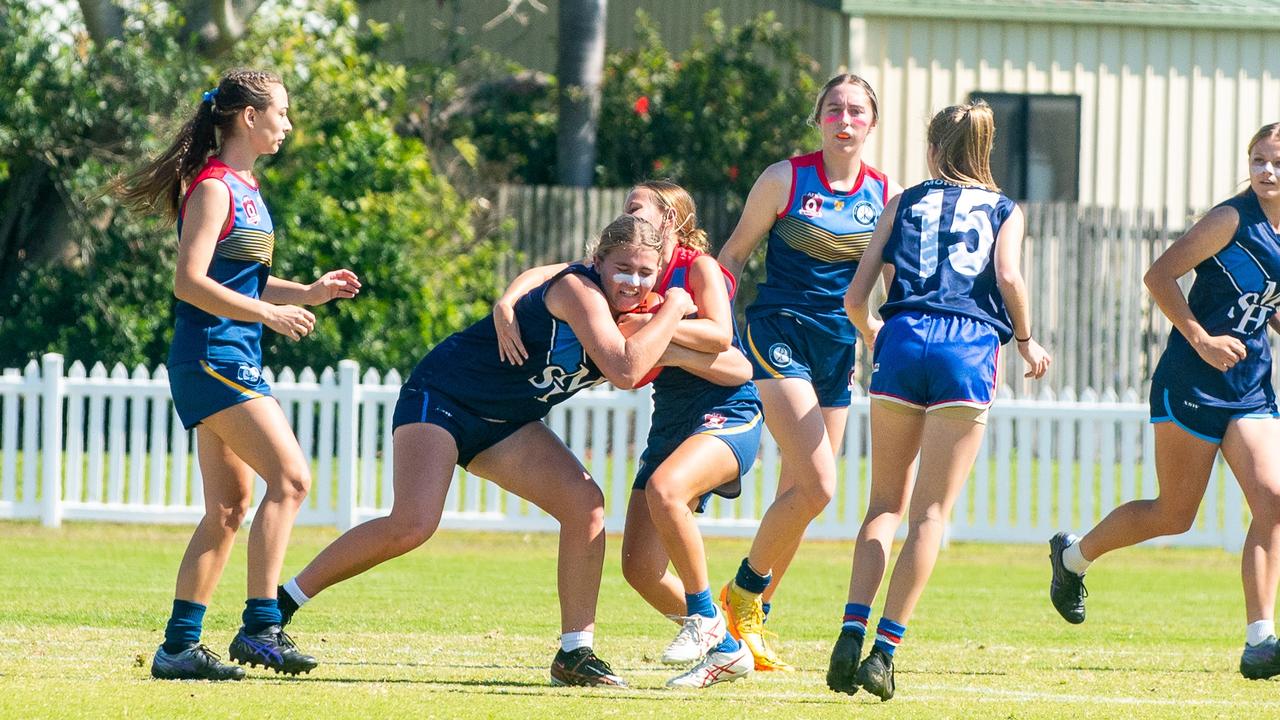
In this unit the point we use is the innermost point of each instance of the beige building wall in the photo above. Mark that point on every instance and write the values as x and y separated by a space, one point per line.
824 30
1165 112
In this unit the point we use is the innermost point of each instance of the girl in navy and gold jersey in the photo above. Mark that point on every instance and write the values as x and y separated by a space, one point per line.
225 295
703 437
463 405
1211 392
954 244
818 211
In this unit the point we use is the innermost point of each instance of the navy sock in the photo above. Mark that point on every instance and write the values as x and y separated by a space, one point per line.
750 580
765 607
855 618
888 635
260 614
700 603
184 626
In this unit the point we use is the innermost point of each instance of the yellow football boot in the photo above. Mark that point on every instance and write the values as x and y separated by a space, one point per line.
766 657
745 612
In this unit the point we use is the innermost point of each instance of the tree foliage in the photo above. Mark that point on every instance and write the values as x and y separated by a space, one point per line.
345 190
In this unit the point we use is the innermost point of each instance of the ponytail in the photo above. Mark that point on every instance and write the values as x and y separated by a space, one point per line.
962 136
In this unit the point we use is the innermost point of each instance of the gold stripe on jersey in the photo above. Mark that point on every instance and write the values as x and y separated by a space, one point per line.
248 245
821 244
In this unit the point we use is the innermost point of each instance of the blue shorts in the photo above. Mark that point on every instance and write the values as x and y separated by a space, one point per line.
1200 418
204 387
935 360
471 433
738 424
781 346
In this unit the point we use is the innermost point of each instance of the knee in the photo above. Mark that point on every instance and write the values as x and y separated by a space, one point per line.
929 522
1265 507
638 572
408 533
1172 520
665 494
295 483
586 511
817 494
231 515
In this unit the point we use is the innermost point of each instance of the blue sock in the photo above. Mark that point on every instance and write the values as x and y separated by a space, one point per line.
750 580
700 603
765 607
888 635
184 626
855 618
260 614
728 644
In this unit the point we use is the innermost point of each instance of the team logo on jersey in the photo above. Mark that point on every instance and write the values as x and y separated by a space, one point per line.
250 209
713 421
864 212
811 205
558 381
248 374
1255 308
839 205
780 354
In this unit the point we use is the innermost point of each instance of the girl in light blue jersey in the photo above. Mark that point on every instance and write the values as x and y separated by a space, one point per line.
817 211
1211 392
225 295
954 246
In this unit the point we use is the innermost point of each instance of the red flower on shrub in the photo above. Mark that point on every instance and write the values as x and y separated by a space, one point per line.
642 105
658 165
732 172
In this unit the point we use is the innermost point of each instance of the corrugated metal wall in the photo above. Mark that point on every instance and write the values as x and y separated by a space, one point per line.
1165 113
533 45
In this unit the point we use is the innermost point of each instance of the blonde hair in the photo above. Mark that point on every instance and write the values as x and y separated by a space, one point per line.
845 79
625 231
1269 131
961 137
671 196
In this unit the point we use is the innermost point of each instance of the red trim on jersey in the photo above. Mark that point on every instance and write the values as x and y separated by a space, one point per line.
815 159
684 257
214 169
884 180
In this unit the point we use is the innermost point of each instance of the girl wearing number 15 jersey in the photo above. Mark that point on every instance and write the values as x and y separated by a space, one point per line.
957 295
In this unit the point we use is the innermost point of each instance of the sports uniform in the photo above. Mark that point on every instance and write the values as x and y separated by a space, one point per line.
1235 293
797 326
216 362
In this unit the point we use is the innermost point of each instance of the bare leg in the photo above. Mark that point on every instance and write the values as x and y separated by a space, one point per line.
1251 450
644 561
228 489
1183 465
700 464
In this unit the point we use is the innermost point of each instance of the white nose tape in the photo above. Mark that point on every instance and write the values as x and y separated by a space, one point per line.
1267 167
634 279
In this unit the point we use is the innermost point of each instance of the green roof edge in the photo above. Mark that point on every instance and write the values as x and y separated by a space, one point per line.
1191 19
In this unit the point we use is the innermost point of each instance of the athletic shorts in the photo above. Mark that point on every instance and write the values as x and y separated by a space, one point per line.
781 346
204 387
471 433
932 361
737 424
1200 418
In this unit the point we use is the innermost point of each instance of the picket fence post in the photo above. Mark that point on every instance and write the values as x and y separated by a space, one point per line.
52 391
348 404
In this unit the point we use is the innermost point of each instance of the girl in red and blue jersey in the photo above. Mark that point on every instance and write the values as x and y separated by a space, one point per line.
1211 392
225 295
704 436
954 246
817 211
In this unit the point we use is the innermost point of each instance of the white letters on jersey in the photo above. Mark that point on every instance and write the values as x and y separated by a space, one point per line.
1256 308
967 216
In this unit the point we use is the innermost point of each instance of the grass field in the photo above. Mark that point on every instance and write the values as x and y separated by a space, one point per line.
466 626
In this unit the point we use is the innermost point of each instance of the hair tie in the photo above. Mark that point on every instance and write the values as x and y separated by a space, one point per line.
209 95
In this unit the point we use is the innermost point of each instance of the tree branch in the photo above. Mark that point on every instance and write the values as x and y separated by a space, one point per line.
103 19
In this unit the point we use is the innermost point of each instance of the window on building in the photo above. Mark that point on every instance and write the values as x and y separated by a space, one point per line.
1037 149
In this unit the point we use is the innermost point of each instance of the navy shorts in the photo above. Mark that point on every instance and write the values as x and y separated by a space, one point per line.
782 346
931 361
1200 418
204 387
471 433
738 424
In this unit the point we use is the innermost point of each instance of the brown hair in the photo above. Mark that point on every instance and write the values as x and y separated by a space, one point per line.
1269 131
846 79
625 231
671 196
962 136
165 178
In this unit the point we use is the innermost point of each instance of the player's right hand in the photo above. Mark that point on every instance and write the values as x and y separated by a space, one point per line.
510 346
291 321
680 299
1221 352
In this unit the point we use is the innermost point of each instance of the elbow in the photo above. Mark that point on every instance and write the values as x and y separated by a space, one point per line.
182 287
624 381
1151 278
720 342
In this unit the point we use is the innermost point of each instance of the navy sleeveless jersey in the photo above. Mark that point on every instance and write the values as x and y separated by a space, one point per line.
466 368
815 244
679 395
1235 293
942 249
241 262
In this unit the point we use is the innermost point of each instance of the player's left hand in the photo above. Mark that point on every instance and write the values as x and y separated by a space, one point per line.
1038 359
333 284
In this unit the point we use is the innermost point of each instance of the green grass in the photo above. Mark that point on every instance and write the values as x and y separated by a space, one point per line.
466 626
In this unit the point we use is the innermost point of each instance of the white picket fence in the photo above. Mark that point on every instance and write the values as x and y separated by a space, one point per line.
108 446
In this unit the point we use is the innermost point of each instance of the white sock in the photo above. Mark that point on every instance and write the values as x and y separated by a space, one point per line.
1258 631
295 592
571 641
1074 561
